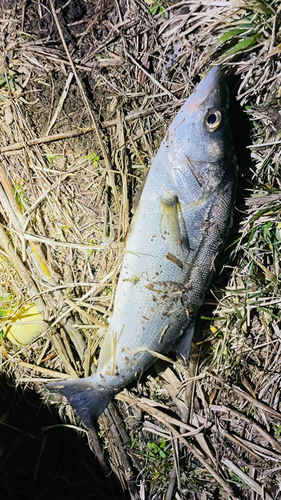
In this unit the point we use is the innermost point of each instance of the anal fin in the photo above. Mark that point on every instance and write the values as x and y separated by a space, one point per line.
183 347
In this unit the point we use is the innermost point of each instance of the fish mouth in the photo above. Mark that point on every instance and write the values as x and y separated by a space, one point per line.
211 82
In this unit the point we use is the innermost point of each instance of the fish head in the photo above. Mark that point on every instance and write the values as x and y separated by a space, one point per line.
199 141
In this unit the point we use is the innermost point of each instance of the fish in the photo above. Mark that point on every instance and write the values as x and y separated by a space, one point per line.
178 230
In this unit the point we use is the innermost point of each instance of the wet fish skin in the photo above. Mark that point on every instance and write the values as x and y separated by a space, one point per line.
179 228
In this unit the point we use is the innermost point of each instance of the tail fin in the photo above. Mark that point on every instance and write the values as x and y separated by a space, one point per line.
87 399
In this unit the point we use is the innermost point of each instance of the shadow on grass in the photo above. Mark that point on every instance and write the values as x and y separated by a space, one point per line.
38 464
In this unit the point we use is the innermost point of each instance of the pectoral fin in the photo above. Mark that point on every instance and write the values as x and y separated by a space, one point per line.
183 232
172 225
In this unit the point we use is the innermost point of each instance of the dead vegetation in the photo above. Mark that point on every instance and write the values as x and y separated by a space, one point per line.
86 92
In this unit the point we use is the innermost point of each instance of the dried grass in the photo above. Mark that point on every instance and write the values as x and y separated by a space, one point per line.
66 204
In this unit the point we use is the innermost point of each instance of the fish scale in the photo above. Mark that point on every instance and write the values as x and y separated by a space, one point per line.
178 230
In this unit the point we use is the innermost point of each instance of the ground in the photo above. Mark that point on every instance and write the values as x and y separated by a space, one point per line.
87 91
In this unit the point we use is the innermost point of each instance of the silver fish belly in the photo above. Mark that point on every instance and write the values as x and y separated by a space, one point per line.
179 228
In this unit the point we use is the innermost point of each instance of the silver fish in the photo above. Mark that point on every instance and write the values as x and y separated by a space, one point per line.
179 228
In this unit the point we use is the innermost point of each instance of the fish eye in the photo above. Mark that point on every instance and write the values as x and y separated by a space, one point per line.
213 120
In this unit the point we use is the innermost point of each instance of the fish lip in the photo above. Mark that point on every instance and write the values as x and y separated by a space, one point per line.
210 83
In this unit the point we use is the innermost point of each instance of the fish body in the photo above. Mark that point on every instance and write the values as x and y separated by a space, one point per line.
180 226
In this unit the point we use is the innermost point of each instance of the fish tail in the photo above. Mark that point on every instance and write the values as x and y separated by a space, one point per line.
85 396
